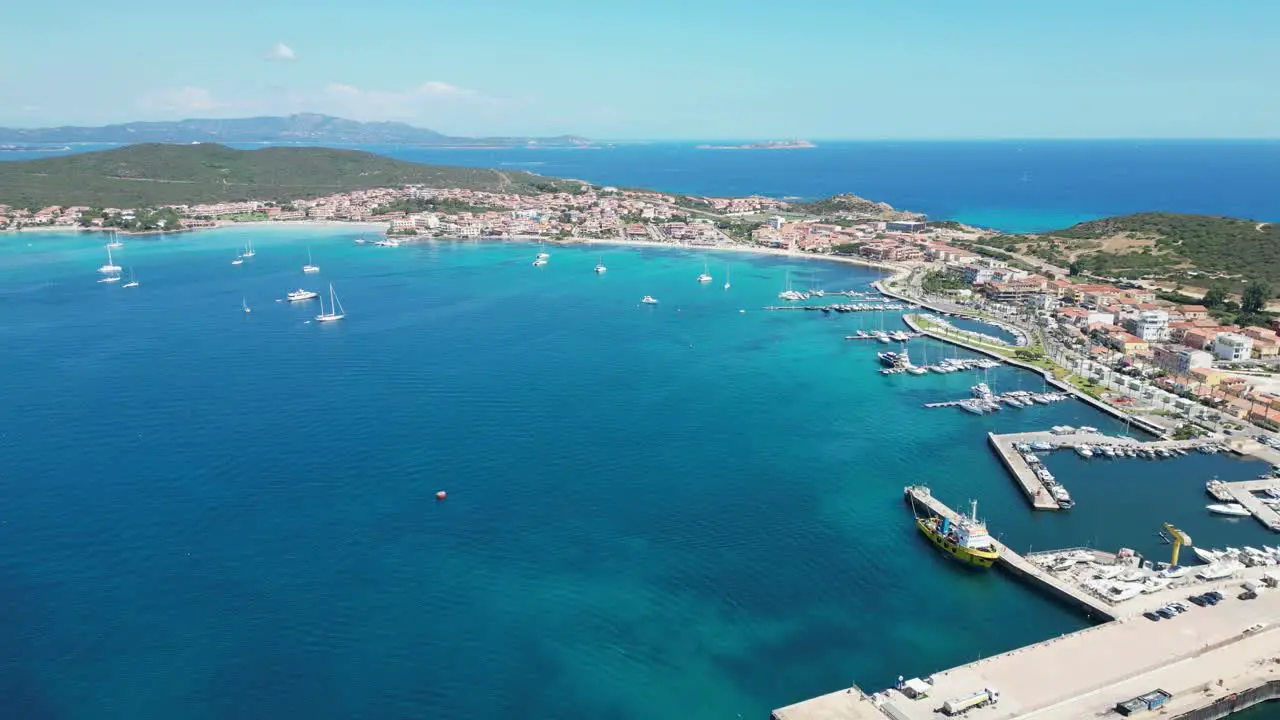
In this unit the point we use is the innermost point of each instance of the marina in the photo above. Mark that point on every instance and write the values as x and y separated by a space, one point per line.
1214 655
1246 492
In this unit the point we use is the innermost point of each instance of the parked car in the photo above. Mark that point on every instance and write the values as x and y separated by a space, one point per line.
1165 613
1198 600
1151 616
1178 606
1215 595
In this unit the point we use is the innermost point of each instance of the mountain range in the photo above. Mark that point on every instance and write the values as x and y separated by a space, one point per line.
301 128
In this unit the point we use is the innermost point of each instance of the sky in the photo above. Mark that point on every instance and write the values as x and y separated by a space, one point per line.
661 69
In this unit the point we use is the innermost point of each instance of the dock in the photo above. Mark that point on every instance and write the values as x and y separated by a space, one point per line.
1032 486
1094 607
1207 659
1243 492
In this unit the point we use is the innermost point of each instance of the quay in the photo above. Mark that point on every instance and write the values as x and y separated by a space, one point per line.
1243 493
841 307
1210 661
1035 489
1015 564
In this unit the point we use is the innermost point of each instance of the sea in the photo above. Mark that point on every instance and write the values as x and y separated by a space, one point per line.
1009 185
691 509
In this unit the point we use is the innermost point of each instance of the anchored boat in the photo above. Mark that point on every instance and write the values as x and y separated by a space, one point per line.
966 540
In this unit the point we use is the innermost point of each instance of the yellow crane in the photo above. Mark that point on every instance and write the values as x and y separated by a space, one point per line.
1179 540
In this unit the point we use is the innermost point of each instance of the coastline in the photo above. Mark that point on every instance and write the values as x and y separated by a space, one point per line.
358 225
897 270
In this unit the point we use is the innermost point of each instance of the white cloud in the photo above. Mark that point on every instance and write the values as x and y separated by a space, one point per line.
186 99
282 52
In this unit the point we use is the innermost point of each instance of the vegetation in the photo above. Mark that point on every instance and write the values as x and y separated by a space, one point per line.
151 175
1187 431
939 281
845 204
147 220
737 229
1208 244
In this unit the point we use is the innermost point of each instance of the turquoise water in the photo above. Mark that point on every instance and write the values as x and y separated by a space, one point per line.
680 510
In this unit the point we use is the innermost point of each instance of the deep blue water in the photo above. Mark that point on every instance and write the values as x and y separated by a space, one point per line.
1018 186
672 511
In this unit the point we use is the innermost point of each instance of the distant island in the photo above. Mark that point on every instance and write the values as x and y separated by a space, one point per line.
150 175
766 145
301 128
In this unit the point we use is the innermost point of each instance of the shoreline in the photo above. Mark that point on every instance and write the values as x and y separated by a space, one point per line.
358 225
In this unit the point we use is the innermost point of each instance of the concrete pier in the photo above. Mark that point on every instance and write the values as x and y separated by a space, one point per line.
1207 658
1032 486
1263 513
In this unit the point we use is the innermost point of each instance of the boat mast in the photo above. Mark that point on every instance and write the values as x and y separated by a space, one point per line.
973 504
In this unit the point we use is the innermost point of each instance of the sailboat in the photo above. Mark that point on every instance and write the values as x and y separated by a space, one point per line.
600 268
111 266
245 304
238 261
309 268
705 277
133 282
248 251
114 243
726 278
788 293
335 308
541 254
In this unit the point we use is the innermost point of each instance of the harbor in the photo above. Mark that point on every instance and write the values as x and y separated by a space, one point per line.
1185 642
1245 493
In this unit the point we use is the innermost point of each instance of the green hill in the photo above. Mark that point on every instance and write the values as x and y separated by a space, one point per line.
1173 244
154 174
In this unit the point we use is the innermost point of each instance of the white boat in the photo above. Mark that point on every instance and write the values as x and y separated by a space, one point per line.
600 268
791 295
539 262
248 251
110 279
335 308
111 266
726 278
309 268
115 243
132 281
648 300
245 304
1206 556
1232 509
1084 451
705 277
301 294
238 261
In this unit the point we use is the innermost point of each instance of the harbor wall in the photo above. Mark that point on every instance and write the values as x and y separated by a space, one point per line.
1235 702
1015 472
1144 425
1052 591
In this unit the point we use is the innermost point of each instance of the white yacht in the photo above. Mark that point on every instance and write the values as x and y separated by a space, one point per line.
600 268
133 282
300 294
539 261
1232 509
726 278
1084 451
110 279
791 295
238 261
1207 556
542 255
309 268
705 277
111 266
245 304
648 300
335 308
248 251
115 243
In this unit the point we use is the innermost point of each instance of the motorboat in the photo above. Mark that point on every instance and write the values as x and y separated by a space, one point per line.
648 300
300 294
1084 451
1231 509
539 262
238 261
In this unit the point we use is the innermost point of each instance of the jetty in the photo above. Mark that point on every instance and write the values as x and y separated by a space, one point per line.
1197 665
1032 486
1243 493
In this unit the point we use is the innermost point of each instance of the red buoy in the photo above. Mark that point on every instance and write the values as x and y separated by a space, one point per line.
442 495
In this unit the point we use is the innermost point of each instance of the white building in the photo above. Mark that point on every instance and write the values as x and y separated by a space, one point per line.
777 221
1180 360
1151 325
1232 347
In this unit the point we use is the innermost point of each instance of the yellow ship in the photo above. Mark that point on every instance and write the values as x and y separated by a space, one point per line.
966 540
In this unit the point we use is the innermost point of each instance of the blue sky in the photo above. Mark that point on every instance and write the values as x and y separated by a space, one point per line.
819 69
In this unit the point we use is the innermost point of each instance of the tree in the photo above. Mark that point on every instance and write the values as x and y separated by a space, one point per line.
1255 296
1215 297
1075 268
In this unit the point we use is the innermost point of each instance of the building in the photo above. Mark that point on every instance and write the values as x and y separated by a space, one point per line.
1013 290
1150 325
906 226
1232 347
1180 360
1194 312
1199 339
1127 344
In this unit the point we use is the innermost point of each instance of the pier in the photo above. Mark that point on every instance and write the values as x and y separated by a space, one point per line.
1032 486
1243 493
1210 660
1094 607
